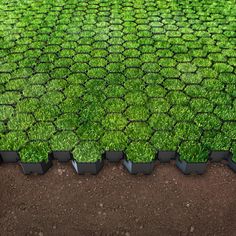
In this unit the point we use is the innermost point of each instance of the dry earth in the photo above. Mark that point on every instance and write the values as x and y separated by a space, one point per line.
117 203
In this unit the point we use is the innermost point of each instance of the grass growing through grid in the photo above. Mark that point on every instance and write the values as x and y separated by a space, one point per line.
138 76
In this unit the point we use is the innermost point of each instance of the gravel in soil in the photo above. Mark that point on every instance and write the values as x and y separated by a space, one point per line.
114 202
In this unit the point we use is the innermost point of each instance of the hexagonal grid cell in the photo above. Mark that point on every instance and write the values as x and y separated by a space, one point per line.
138 76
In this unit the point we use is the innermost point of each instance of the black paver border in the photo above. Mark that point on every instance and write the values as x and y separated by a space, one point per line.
94 168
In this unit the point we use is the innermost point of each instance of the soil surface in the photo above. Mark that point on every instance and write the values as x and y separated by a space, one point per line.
117 203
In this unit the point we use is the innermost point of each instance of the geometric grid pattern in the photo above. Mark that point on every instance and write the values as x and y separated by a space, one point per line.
138 76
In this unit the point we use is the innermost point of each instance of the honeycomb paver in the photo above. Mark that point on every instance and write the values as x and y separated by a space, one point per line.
137 76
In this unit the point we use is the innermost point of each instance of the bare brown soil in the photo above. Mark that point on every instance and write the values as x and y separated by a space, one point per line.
117 203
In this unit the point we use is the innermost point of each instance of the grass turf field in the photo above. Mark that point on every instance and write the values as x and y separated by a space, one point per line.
138 76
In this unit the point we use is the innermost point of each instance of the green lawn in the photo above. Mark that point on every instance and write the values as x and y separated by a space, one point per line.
138 76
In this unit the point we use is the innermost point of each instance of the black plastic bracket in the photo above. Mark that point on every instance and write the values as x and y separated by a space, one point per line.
38 168
9 156
191 168
114 156
62 156
139 168
166 156
217 156
88 167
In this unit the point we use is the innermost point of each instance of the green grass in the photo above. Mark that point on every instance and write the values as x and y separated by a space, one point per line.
165 140
13 141
192 152
36 151
114 141
138 131
87 152
217 141
133 76
63 141
140 152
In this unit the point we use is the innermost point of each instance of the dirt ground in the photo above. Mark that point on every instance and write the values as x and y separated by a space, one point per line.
117 203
